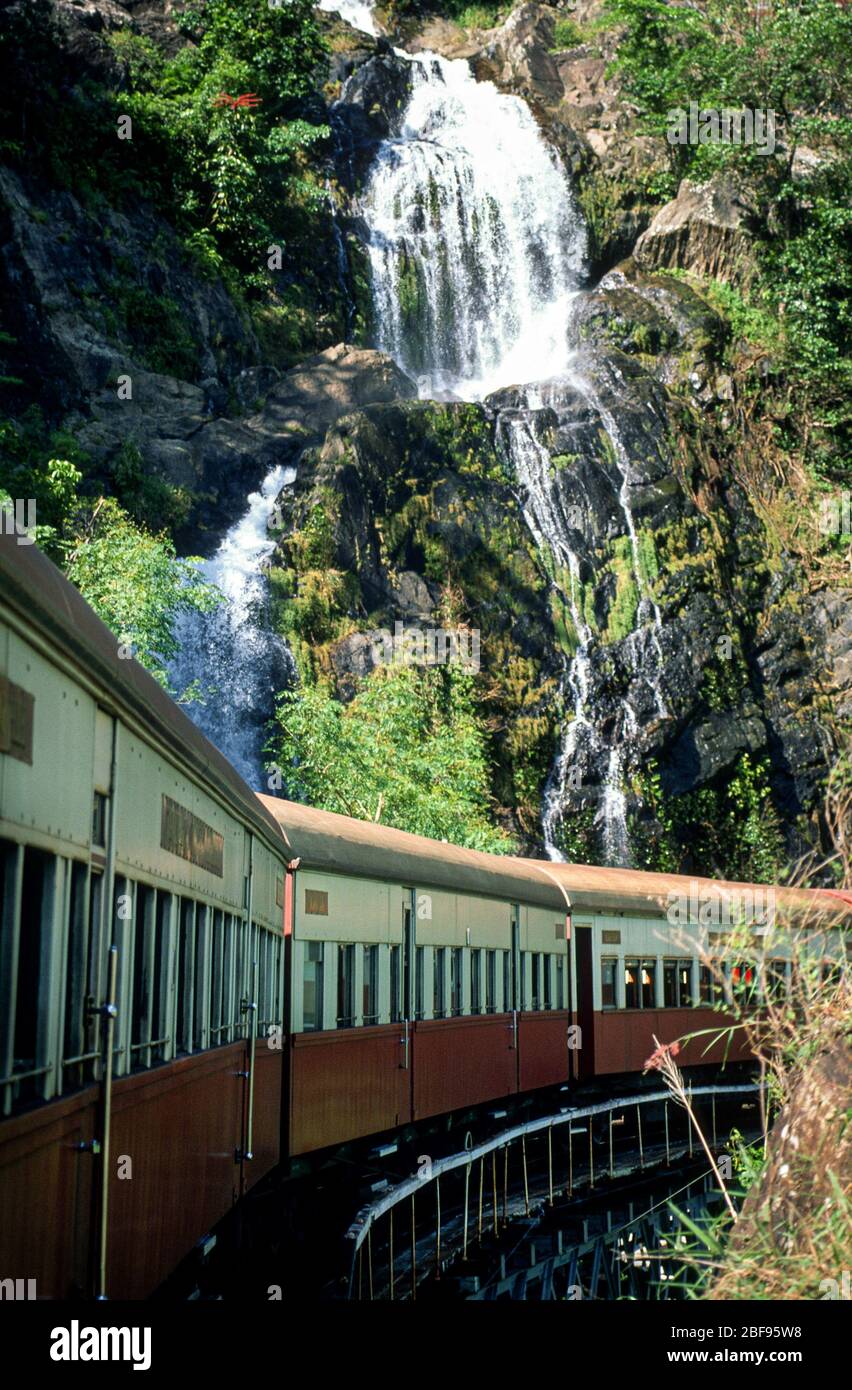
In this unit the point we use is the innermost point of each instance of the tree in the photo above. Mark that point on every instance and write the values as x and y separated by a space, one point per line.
408 751
138 586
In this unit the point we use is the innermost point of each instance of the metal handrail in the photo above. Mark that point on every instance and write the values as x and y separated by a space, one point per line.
108 1012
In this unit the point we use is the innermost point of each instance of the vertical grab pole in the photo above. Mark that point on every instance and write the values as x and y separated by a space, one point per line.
108 1013
252 1010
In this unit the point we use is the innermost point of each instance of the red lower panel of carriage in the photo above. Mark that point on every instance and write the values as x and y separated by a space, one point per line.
624 1039
542 1049
176 1135
347 1083
463 1061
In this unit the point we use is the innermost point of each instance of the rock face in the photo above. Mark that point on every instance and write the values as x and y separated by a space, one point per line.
88 300
704 229
219 461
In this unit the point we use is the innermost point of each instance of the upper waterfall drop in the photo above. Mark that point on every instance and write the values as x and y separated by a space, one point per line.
354 12
475 242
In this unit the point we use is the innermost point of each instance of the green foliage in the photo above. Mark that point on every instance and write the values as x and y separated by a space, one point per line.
408 751
46 466
155 323
728 830
232 181
794 62
151 501
137 585
577 837
624 606
567 34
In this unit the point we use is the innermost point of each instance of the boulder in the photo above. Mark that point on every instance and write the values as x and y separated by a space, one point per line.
704 229
518 56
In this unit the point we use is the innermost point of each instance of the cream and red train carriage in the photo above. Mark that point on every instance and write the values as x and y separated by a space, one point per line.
426 978
121 825
287 980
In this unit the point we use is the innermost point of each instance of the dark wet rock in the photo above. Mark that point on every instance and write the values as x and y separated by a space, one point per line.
219 461
371 105
92 296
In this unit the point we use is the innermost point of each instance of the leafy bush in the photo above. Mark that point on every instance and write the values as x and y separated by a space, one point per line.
408 751
137 585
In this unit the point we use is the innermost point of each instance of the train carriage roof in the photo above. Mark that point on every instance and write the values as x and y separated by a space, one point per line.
47 603
331 843
594 889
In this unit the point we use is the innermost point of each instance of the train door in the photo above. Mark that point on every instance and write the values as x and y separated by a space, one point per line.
515 1001
407 1001
585 1017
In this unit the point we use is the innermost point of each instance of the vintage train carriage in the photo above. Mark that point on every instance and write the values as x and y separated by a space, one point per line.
643 945
425 978
120 825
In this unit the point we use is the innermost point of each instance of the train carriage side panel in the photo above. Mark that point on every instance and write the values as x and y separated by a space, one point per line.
347 1064
544 1021
463 1056
646 986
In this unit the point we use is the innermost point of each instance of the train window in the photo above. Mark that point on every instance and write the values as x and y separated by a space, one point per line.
275 1001
684 983
200 1013
185 975
743 980
476 982
160 1026
707 987
217 942
677 984
831 971
648 976
439 987
559 1001
229 1000
419 977
370 1012
143 934
609 997
150 1031
547 1000
490 982
631 984
312 986
395 984
456 982
30 988
776 979
521 989
507 981
345 986
535 1002
80 1041
99 810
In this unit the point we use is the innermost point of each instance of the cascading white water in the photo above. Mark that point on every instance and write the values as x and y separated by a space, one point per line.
477 250
647 602
475 243
551 528
231 655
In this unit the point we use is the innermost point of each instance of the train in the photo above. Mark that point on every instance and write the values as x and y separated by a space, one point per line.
200 984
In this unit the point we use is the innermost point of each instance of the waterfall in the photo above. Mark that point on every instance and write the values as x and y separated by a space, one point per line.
354 12
236 663
581 745
477 250
475 243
